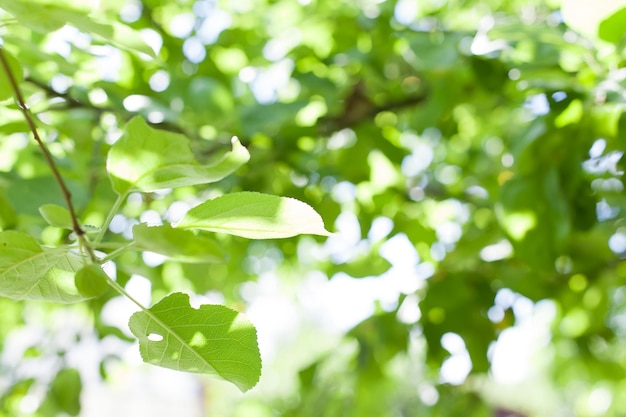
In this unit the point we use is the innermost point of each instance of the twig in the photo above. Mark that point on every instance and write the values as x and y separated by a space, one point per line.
21 103
74 103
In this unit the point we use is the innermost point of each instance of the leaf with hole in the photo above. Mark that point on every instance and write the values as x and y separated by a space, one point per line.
147 159
212 339
255 216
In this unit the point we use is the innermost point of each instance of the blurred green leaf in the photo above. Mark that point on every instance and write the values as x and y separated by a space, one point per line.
64 394
6 88
56 216
178 244
147 159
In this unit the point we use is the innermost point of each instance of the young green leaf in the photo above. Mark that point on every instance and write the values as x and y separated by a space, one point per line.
147 159
178 244
255 216
212 339
56 216
28 271
6 89
91 280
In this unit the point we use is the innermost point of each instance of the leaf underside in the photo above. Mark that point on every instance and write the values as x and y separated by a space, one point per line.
147 159
30 272
255 216
212 339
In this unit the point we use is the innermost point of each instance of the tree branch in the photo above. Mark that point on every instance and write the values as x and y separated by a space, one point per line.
21 103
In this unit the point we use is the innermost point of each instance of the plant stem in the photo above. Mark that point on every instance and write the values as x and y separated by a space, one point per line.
109 218
67 196
118 252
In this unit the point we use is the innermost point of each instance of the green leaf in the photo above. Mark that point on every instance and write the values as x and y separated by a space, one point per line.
586 16
6 89
28 271
534 214
56 216
255 216
64 393
612 29
146 159
91 280
178 244
212 339
8 216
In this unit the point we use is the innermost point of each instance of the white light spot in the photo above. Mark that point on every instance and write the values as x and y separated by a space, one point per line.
140 288
597 148
118 224
61 83
97 96
428 394
130 12
136 102
213 25
455 369
497 251
176 211
507 160
108 61
381 227
153 39
538 104
151 218
155 337
156 117
344 192
247 74
409 311
182 25
418 161
399 251
599 401
449 232
344 138
194 50
617 242
159 81
405 11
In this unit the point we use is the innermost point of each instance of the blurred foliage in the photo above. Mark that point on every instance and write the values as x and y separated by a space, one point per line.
488 134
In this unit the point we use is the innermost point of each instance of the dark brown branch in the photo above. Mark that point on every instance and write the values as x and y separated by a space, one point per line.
359 108
21 103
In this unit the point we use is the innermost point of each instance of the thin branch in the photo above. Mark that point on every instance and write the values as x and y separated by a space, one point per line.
21 103
74 103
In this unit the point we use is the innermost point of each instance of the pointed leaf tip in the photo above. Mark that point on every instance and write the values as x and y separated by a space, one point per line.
148 159
255 216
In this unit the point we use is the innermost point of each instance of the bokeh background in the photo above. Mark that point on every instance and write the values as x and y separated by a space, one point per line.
468 155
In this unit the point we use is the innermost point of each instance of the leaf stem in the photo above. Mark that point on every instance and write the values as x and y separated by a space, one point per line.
118 252
67 196
109 218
